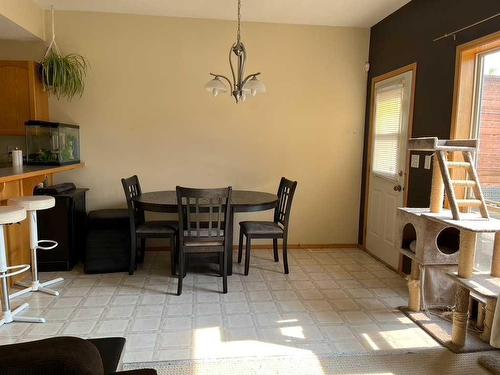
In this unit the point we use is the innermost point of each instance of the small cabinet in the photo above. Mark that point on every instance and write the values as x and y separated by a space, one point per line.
22 97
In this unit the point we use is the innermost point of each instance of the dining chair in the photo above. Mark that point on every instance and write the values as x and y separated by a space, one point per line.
203 226
140 229
276 229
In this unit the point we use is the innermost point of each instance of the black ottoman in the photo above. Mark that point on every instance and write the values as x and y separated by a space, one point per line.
108 241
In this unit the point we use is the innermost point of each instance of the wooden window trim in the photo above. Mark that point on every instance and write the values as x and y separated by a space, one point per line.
464 95
465 82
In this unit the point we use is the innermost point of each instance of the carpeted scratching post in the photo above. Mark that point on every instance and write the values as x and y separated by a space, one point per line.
460 316
480 316
467 251
414 288
489 312
437 188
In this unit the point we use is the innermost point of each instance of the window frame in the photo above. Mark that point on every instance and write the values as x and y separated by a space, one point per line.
476 113
465 95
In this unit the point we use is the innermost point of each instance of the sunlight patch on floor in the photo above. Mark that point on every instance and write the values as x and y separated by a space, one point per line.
407 338
207 343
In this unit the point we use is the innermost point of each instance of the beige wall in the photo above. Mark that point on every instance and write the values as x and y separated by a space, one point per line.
145 111
26 14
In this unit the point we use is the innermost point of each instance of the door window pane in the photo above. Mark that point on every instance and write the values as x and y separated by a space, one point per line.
388 117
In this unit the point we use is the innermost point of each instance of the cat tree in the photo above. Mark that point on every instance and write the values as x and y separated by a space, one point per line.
426 225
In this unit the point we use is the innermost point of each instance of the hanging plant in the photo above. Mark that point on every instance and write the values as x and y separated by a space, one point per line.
62 76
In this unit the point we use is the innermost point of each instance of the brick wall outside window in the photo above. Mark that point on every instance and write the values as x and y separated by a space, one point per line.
489 135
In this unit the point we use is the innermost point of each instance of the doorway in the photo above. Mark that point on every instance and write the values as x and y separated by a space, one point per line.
390 127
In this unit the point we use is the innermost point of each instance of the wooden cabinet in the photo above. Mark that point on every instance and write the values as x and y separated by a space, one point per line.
21 96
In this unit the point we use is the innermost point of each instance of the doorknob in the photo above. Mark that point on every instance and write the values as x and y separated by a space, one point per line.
398 188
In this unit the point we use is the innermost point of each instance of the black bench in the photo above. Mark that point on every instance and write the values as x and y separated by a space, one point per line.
108 241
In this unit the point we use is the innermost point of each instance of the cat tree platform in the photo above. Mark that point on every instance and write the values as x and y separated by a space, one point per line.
481 284
428 244
454 180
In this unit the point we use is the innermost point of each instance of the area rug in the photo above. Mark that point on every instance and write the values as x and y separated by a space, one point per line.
440 330
437 361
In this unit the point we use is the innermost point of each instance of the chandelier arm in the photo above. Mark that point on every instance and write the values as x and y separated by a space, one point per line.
231 64
224 77
242 58
250 76
237 67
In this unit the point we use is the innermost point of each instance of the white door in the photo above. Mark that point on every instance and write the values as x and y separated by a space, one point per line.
389 136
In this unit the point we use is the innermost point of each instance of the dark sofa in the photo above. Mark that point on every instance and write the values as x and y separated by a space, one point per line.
65 355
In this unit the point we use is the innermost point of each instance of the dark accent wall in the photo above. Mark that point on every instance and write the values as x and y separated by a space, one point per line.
406 37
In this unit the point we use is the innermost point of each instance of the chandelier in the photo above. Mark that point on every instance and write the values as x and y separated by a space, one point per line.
241 86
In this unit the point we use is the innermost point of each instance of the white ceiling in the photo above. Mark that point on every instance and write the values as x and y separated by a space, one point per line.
11 30
354 13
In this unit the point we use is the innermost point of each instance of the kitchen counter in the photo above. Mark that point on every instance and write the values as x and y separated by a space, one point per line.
18 182
27 171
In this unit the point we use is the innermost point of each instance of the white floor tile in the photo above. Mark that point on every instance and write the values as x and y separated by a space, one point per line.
332 301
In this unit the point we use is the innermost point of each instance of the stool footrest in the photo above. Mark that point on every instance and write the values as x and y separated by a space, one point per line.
52 245
20 269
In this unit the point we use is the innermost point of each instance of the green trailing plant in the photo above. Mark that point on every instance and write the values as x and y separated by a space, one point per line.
64 76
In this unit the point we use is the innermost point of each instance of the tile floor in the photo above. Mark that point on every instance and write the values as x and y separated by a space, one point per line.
333 301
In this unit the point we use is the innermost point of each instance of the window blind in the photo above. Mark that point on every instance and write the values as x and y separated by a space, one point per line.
388 118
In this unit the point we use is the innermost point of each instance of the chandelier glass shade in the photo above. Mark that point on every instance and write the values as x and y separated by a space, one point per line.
240 86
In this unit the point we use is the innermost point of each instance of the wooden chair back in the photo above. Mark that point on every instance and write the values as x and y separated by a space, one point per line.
203 213
132 189
286 191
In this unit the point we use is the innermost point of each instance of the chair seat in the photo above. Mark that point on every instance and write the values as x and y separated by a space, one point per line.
261 228
158 227
33 202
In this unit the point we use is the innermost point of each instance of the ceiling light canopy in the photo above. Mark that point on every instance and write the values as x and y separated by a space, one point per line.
240 86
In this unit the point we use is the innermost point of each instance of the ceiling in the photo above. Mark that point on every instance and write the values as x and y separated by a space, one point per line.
352 13
11 30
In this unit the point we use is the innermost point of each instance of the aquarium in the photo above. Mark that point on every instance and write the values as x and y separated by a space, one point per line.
52 143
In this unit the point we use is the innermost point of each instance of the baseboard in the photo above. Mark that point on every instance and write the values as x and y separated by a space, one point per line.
317 247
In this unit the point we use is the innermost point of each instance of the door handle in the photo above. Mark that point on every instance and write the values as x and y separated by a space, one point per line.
398 188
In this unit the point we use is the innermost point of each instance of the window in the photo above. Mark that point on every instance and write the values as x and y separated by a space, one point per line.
486 125
486 128
477 115
388 110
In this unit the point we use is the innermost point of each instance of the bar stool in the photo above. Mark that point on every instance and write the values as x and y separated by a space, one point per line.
32 204
11 215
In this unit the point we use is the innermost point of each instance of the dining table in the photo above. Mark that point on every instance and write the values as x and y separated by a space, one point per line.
241 201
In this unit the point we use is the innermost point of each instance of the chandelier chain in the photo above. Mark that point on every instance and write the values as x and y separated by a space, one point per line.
239 22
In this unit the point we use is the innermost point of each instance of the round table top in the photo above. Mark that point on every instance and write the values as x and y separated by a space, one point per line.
241 200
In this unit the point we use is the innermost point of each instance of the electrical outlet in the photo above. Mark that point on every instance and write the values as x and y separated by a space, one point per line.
427 162
415 161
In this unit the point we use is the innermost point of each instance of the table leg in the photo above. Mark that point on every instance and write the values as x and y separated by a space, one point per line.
229 242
